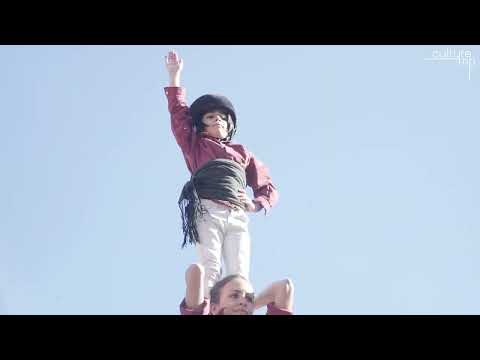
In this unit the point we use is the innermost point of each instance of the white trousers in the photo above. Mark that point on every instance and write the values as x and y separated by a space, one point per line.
223 233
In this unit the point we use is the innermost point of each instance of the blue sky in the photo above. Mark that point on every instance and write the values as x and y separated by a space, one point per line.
373 149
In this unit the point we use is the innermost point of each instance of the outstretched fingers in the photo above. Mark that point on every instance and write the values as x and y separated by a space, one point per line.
172 57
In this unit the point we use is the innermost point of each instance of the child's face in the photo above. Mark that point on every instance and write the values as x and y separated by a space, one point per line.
216 124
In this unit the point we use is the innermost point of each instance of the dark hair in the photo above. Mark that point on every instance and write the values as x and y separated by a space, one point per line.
217 288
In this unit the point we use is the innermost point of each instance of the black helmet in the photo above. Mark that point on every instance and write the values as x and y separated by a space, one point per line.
208 103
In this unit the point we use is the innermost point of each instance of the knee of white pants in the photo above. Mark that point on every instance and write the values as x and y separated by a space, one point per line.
210 258
209 249
236 245
237 264
212 275
211 261
240 269
236 255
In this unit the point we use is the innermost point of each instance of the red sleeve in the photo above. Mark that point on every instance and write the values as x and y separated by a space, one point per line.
181 120
264 192
202 309
273 310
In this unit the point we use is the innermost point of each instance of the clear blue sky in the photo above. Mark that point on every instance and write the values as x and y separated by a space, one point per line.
374 151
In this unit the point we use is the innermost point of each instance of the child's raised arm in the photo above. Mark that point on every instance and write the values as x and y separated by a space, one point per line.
181 120
174 65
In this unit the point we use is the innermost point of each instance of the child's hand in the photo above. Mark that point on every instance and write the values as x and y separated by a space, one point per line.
173 63
249 204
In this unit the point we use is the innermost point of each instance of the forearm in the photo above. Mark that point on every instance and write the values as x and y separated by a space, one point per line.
194 296
280 293
174 66
265 297
174 79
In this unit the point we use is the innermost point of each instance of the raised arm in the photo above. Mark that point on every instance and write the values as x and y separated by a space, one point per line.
181 120
174 65
194 296
279 293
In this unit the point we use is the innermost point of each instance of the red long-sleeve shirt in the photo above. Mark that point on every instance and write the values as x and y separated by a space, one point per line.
198 149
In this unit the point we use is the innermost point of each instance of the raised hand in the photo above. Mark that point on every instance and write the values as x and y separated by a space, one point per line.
173 63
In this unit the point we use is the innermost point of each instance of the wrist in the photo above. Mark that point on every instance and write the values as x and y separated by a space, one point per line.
175 80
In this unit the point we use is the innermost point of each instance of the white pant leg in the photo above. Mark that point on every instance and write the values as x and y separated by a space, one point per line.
236 244
210 227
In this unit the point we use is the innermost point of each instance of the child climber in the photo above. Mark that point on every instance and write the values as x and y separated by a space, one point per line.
214 202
